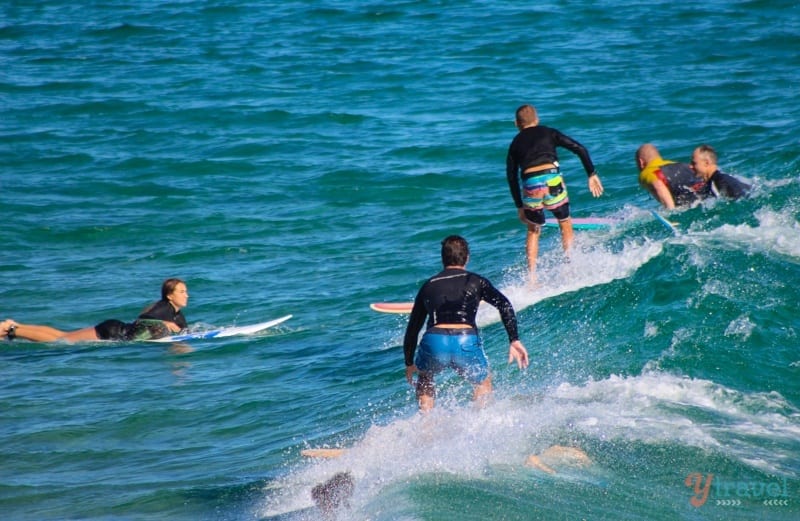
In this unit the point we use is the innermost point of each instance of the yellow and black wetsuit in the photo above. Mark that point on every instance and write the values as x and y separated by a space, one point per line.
683 183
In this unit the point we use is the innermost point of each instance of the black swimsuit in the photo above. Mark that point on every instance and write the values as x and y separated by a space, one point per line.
727 186
150 324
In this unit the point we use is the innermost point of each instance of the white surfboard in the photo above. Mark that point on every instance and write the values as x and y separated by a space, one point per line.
224 332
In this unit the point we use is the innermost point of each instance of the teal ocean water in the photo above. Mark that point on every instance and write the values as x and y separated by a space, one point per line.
307 158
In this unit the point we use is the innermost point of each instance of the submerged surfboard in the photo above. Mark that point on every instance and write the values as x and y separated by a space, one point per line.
668 225
584 223
392 307
224 332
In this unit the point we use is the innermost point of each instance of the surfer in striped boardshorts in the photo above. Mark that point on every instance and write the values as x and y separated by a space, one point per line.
534 178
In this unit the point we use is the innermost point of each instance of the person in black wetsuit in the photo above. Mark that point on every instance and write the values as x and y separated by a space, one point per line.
449 301
160 319
532 157
704 162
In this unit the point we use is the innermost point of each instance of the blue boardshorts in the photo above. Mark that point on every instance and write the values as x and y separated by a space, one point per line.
459 349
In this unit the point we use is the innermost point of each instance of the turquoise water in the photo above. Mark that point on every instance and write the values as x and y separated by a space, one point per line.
307 158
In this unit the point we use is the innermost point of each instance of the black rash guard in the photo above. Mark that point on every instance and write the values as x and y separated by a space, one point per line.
727 186
452 297
535 146
163 310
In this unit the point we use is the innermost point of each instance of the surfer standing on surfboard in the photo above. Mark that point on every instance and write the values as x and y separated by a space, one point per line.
160 319
532 157
449 301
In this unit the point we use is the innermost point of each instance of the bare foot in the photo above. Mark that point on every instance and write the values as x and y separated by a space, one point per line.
5 325
533 283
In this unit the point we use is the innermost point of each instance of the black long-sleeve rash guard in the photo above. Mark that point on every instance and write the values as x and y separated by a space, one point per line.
163 310
452 297
535 146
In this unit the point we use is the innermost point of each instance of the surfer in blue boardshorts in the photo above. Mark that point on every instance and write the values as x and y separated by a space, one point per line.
449 301
532 157
160 319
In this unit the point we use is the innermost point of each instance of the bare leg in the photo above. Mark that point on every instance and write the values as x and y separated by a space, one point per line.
566 234
36 333
536 462
482 392
558 455
532 248
426 392
426 403
81 335
567 455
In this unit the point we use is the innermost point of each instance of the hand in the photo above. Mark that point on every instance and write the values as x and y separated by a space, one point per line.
172 326
595 186
516 351
410 370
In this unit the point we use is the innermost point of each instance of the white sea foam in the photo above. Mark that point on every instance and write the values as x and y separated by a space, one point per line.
591 263
776 233
653 408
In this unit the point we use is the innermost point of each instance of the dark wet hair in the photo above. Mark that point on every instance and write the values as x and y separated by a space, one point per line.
455 251
334 493
169 286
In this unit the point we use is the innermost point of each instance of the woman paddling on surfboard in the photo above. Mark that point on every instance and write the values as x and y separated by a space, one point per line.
160 319
450 302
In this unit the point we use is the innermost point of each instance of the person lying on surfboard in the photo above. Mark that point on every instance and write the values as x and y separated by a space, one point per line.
546 461
671 184
450 302
333 495
160 319
718 184
532 157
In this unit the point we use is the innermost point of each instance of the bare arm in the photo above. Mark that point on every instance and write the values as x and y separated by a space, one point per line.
661 192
